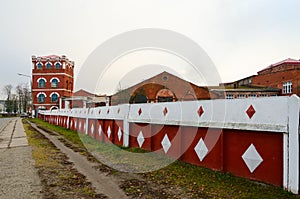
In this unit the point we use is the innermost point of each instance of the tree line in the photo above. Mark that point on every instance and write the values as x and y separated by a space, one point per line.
17 99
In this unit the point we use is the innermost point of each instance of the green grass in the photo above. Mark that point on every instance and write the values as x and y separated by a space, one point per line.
42 149
57 177
70 135
199 181
194 181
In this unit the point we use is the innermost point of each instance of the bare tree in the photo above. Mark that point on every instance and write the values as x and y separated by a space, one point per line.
122 96
26 99
7 90
23 93
19 91
8 103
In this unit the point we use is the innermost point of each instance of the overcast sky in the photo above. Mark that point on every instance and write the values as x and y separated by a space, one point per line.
240 36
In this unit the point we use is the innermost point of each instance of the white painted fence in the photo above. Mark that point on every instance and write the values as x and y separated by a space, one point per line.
271 114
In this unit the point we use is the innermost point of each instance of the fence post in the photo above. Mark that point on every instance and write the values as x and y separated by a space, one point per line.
126 131
293 144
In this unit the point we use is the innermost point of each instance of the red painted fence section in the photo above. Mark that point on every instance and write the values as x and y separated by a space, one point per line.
261 147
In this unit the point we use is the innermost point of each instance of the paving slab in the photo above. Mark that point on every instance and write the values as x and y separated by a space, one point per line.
17 142
18 175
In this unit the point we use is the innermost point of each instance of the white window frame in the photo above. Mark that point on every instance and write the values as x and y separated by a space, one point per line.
53 85
38 97
263 95
252 95
229 96
38 81
60 65
241 96
55 94
47 64
287 87
37 65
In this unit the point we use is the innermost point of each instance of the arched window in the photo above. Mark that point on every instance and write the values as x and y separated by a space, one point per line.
41 83
57 65
39 65
140 98
48 65
53 108
54 97
41 98
54 83
165 95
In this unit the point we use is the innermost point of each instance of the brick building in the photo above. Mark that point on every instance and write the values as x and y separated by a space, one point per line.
163 87
281 78
83 99
284 75
52 79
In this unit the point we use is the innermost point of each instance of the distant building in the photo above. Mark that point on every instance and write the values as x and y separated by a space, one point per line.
163 87
284 75
245 91
2 103
282 78
85 99
52 79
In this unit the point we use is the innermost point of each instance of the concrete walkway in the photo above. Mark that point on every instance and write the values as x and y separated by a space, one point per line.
18 176
102 183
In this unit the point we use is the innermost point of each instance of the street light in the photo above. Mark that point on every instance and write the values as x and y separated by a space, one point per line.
30 81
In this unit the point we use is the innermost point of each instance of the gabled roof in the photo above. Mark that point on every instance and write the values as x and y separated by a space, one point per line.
83 93
156 78
286 61
162 74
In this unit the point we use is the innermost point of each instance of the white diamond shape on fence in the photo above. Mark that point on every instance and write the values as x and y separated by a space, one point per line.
108 132
252 158
71 123
92 129
140 139
79 125
75 125
119 134
166 144
201 150
100 130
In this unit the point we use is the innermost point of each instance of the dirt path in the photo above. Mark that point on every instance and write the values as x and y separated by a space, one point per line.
18 176
102 184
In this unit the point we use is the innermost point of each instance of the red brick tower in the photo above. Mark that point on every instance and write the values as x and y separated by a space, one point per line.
52 79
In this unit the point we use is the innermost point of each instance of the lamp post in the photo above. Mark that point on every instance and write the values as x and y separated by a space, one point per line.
30 81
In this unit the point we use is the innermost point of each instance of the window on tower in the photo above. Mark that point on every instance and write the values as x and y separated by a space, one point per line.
54 83
41 98
41 83
48 65
57 65
54 97
39 65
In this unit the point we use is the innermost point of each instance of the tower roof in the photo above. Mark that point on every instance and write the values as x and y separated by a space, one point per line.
50 57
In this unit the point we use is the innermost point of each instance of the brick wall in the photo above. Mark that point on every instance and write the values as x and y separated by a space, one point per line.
276 77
